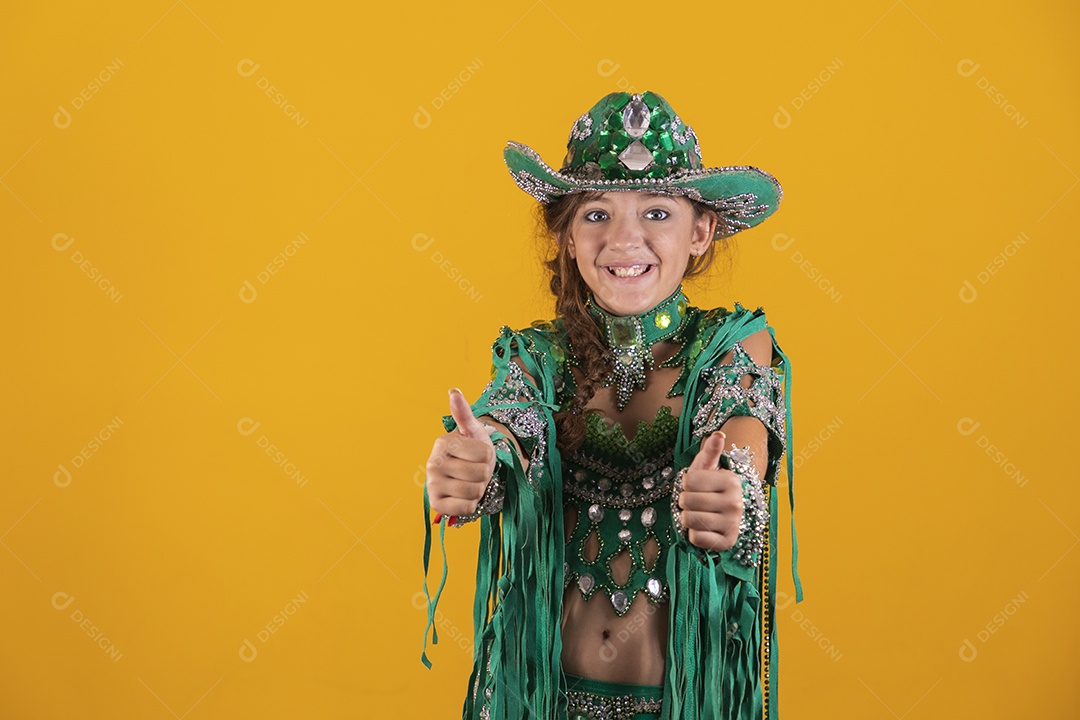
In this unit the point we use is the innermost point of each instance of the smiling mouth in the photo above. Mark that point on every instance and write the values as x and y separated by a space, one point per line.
629 270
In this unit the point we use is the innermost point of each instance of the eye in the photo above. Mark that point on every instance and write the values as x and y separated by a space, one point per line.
657 214
595 216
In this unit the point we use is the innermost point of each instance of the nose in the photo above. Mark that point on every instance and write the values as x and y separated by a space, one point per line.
625 232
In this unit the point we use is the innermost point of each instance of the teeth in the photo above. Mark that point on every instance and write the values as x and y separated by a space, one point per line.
632 271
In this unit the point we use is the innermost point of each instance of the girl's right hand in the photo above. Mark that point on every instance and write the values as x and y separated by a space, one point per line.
461 463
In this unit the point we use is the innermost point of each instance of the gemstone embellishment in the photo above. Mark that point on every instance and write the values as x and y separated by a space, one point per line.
583 127
629 338
654 587
635 117
586 583
620 601
636 156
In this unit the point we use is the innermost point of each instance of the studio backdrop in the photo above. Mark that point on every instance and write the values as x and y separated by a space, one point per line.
249 248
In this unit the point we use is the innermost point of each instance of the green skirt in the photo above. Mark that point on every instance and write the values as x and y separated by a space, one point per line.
590 699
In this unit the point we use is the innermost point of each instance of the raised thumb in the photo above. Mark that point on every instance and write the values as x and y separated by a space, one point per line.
467 423
708 456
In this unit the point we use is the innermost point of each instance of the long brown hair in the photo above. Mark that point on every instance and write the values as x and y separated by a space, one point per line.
586 342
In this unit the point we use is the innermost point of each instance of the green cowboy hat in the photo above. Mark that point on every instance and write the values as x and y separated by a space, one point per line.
637 142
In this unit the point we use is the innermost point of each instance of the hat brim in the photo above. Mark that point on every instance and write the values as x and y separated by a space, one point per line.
743 195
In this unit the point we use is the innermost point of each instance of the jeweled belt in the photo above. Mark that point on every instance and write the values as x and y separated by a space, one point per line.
587 706
618 487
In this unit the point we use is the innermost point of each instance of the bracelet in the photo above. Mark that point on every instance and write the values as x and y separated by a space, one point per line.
676 511
747 549
491 501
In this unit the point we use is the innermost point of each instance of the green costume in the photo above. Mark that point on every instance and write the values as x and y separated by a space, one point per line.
722 653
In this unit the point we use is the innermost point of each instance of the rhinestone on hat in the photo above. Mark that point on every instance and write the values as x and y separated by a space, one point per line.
582 128
635 117
636 156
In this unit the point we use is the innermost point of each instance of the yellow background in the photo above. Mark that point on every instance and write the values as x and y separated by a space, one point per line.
269 426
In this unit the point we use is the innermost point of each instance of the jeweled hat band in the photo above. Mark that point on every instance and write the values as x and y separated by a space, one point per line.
630 136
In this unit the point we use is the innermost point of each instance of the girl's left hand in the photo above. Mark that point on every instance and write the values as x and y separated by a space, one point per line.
711 500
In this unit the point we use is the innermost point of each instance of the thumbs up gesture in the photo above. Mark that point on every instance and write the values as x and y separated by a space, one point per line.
711 501
461 462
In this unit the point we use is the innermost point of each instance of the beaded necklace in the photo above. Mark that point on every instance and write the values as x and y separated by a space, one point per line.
630 340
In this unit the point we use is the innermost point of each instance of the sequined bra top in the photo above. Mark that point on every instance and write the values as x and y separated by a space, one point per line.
621 492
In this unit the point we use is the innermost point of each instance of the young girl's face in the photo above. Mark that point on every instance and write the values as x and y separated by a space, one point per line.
632 247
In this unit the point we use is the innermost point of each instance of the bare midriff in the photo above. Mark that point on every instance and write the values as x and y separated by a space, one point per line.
599 644
596 642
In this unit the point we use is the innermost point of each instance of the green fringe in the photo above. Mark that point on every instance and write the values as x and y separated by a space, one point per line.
713 667
521 637
726 684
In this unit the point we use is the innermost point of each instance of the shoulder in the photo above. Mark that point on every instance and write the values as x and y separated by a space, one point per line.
541 336
759 346
536 348
720 316
738 327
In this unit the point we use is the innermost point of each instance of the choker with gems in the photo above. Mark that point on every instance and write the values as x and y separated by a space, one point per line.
630 339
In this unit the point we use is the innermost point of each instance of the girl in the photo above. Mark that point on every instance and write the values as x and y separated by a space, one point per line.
622 461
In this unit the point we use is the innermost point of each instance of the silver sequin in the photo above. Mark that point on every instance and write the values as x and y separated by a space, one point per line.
582 128
739 455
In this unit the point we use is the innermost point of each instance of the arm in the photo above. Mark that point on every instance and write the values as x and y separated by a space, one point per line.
724 506
749 430
488 419
519 430
745 398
